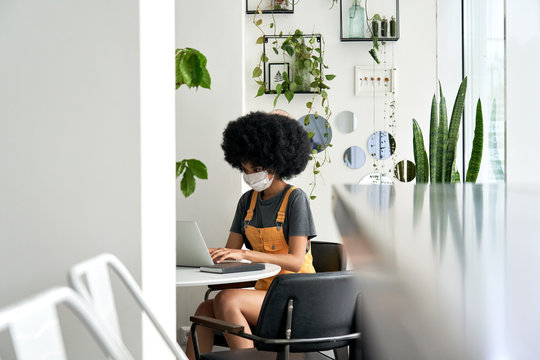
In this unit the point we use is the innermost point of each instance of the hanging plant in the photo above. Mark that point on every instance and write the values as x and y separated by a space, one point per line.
307 74
191 71
373 27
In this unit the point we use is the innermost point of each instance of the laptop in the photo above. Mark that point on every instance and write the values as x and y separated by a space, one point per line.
191 250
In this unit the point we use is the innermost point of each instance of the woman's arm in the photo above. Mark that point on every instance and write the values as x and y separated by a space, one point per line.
292 261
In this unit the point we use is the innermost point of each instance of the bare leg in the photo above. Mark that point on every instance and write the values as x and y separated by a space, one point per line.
239 306
205 336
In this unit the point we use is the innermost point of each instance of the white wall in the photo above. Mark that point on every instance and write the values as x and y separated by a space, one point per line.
158 206
216 29
414 56
522 77
70 149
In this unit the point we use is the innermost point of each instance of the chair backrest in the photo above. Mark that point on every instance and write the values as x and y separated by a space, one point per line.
35 329
328 256
99 293
324 305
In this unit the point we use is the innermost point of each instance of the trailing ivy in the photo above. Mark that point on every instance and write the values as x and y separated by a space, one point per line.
307 75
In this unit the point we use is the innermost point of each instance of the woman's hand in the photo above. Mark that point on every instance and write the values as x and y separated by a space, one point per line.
220 254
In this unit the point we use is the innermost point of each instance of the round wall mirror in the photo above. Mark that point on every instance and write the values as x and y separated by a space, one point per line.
405 171
376 178
319 128
354 157
381 145
346 122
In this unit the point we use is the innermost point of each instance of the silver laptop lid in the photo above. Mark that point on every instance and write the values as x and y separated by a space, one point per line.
191 249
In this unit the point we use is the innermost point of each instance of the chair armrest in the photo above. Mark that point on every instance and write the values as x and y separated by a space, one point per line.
217 324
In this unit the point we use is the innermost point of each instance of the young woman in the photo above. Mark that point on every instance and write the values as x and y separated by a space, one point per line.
273 220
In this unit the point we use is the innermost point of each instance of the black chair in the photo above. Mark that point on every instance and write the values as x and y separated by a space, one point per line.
328 256
301 313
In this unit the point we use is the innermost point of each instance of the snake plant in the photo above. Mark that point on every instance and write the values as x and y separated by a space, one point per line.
441 166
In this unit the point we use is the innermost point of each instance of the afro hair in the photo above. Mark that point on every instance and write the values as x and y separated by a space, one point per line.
272 141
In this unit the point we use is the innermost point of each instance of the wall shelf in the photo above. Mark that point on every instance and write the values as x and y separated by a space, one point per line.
269 7
271 66
386 8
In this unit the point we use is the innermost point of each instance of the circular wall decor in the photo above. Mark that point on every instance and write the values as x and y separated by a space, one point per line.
376 178
322 132
381 145
346 122
354 157
405 171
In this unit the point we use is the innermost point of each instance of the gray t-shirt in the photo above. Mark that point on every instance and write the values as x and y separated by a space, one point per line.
298 217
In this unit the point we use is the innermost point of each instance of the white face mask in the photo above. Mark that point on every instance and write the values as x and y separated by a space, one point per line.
258 181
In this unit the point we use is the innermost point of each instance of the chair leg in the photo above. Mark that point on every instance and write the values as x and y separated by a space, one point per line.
341 353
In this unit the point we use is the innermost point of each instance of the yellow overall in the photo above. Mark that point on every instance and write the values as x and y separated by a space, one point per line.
271 239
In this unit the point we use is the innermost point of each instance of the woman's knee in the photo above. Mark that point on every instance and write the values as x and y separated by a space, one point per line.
206 308
227 300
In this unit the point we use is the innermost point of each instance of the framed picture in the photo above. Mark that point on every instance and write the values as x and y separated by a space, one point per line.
275 71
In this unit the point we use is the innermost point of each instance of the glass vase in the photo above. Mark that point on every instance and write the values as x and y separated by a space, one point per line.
356 20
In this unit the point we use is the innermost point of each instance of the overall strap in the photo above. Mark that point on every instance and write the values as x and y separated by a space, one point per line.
249 213
281 213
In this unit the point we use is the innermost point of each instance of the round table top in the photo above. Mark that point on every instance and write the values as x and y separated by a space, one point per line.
192 276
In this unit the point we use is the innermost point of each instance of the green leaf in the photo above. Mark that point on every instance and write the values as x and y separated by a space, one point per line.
375 42
259 22
442 139
289 95
311 134
478 143
180 166
261 91
314 151
377 17
330 77
420 156
279 89
187 184
309 104
197 168
275 50
191 69
271 25
453 130
374 56
257 72
433 132
312 197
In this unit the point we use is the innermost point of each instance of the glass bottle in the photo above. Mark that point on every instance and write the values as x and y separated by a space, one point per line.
375 28
356 20
384 27
393 27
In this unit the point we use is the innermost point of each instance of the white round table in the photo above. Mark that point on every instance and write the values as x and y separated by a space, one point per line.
192 276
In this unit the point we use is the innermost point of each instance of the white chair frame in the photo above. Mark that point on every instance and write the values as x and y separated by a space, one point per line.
35 328
99 294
